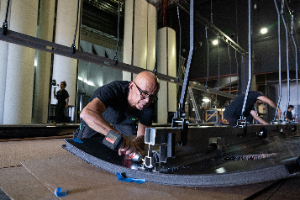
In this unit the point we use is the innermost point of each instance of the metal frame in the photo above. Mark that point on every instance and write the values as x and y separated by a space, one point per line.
51 47
200 136
216 31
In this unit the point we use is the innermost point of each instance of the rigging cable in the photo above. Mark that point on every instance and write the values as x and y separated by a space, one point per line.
279 45
296 56
73 45
249 58
237 73
179 56
237 41
287 57
229 68
207 61
4 26
155 64
218 65
211 12
118 30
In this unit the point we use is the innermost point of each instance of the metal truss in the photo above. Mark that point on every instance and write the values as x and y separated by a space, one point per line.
51 47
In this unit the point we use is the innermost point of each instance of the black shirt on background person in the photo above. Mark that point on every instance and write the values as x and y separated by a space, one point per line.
289 116
234 109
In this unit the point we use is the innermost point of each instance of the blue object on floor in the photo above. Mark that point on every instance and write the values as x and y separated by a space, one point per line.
77 140
129 180
59 193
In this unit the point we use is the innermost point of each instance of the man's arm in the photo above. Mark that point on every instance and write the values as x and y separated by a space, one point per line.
260 120
92 115
267 100
270 102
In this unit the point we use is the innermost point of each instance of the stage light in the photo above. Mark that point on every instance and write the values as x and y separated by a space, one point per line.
215 42
263 30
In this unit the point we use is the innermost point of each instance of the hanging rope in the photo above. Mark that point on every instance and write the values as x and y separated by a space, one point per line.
155 64
218 65
296 56
211 12
236 23
73 45
279 62
179 56
287 56
229 68
237 41
118 30
207 46
4 26
237 73
249 59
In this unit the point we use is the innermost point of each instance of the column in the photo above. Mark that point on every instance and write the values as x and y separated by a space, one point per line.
42 80
64 68
3 66
166 64
139 35
20 64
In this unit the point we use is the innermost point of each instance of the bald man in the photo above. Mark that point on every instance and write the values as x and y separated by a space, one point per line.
115 106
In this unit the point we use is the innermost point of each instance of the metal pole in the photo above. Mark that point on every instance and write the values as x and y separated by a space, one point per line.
296 55
229 68
207 59
279 46
249 57
179 55
218 65
237 73
74 40
186 76
287 57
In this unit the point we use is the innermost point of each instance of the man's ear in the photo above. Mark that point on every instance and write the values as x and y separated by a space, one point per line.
131 85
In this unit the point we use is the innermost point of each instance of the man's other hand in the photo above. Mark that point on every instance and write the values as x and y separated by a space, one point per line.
129 148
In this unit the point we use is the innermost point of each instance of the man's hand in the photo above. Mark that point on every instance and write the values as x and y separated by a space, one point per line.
260 120
129 148
279 113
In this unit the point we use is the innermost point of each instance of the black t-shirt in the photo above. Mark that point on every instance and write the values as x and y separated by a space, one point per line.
234 109
62 96
289 115
114 96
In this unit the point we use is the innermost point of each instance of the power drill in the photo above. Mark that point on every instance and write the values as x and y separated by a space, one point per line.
114 140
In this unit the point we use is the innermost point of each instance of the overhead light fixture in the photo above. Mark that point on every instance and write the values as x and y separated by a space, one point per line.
263 30
215 42
205 100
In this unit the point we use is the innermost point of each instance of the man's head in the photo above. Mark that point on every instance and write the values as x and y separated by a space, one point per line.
143 90
258 101
290 107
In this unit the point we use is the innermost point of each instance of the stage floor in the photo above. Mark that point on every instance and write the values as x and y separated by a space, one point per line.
32 169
